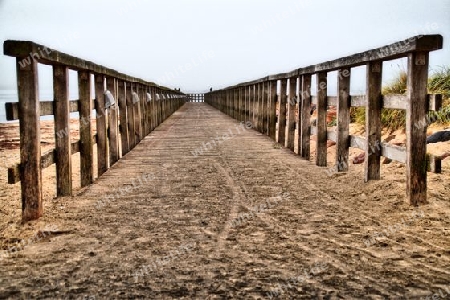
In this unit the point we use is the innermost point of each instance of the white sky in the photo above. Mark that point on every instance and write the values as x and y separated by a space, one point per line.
224 41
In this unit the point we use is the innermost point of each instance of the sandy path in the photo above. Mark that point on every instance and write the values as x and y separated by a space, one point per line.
239 221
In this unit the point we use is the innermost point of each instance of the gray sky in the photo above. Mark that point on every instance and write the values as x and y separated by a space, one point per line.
197 44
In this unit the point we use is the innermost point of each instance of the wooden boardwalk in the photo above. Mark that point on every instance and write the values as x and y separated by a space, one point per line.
244 219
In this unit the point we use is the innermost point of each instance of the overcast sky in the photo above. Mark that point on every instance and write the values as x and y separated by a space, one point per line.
197 44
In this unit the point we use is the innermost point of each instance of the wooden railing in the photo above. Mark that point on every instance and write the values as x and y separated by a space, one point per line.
126 110
256 101
195 97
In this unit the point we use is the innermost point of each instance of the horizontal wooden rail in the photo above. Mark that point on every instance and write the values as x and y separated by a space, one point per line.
126 110
434 101
279 114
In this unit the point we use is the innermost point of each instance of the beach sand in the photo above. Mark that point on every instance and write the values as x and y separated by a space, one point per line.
12 231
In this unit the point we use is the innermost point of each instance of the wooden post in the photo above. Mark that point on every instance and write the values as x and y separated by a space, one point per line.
240 104
153 107
102 151
290 126
113 141
272 92
305 111
236 103
30 140
373 121
265 107
62 131
343 120
416 162
122 100
86 141
137 113
258 107
248 104
282 112
321 143
130 113
229 103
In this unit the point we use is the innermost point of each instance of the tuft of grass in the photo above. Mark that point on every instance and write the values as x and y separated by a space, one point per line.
393 119
439 83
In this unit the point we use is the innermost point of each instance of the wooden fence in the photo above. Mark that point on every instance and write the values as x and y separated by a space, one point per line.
126 110
257 102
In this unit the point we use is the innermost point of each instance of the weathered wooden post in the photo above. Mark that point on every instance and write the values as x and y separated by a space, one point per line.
282 112
343 119
86 141
153 108
137 112
111 107
30 140
122 100
290 126
416 161
258 106
321 138
272 90
102 154
373 121
265 103
305 129
130 112
63 149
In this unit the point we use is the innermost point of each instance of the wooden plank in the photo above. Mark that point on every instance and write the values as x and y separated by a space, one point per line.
47 159
416 158
86 143
241 104
393 152
321 142
290 118
305 149
247 103
48 56
434 102
123 117
250 104
154 111
259 107
130 113
102 151
272 91
265 107
282 100
389 52
113 123
358 101
357 142
331 100
343 120
236 103
435 164
253 105
30 139
46 109
373 121
137 113
395 101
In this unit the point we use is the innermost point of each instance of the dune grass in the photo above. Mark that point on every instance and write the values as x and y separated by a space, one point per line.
393 119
